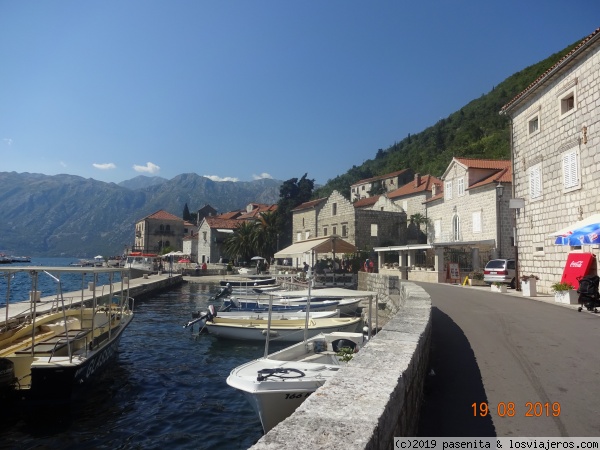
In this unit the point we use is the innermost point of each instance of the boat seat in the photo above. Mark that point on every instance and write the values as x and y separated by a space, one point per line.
54 343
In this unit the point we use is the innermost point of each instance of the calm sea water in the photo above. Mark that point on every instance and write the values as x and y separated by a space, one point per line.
166 389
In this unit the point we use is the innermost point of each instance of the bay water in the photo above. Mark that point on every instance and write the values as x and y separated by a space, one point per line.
166 388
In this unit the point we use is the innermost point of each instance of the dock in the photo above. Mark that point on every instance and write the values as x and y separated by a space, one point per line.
136 288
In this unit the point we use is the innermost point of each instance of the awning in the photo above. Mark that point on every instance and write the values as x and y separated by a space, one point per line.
330 244
585 231
224 230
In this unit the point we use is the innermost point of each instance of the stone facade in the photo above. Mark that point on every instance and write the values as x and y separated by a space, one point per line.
389 182
556 142
305 220
472 214
158 231
337 216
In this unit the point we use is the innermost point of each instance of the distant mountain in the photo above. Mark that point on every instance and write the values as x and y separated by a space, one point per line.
141 182
73 216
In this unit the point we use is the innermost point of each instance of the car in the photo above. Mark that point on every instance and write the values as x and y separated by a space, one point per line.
500 270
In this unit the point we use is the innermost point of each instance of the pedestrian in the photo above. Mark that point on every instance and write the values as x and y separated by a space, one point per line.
366 265
371 266
305 267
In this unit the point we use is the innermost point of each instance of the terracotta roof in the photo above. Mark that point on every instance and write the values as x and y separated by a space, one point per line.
548 73
379 177
309 204
163 215
427 182
366 201
230 215
496 164
259 209
218 222
503 176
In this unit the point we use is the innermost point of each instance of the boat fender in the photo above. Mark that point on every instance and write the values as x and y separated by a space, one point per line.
272 333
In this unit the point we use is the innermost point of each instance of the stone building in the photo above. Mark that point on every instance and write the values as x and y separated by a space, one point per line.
555 150
355 223
370 187
160 230
467 220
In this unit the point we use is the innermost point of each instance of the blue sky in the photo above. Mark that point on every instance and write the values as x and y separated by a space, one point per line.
244 89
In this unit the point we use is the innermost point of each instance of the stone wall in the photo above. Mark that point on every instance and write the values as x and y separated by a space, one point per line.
378 395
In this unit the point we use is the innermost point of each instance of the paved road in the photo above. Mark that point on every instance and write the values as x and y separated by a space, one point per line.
505 349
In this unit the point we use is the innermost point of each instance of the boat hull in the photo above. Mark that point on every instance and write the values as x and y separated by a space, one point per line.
292 333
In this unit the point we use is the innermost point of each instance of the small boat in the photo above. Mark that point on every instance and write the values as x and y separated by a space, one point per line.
255 305
277 384
347 306
47 349
250 283
20 259
142 264
282 330
82 263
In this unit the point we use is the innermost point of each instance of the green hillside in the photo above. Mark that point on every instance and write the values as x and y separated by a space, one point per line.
477 130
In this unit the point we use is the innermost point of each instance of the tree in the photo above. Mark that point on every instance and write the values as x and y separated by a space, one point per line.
186 213
267 231
242 243
292 193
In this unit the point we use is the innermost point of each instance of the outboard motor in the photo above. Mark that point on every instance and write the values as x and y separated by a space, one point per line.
211 314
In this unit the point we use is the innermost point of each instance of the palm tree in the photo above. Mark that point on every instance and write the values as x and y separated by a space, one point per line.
266 234
418 219
242 243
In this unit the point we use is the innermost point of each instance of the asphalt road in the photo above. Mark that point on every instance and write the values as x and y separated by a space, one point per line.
521 357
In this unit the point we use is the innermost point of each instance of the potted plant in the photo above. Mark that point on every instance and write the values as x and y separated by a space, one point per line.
498 287
529 285
476 279
564 293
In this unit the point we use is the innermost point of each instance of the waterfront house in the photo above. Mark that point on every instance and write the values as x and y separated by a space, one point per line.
555 151
160 230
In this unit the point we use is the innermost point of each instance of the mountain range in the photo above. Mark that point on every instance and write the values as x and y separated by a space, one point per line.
67 215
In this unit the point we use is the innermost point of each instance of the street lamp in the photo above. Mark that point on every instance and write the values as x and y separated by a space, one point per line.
499 192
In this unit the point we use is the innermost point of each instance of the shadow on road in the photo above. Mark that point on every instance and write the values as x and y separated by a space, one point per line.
450 393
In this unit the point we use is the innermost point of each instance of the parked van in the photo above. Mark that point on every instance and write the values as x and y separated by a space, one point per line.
500 270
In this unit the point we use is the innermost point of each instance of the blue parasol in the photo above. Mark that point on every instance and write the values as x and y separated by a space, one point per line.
584 232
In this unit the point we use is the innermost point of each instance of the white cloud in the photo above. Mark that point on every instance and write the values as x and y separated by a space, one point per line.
8 141
148 168
105 166
262 176
218 178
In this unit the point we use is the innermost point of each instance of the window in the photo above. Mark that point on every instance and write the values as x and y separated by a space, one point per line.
477 222
324 231
334 230
570 163
307 235
373 230
535 182
448 190
362 188
204 235
456 228
298 236
437 228
334 210
303 222
534 124
460 186
567 100
344 230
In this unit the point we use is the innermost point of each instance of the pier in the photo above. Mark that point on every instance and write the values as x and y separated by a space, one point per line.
136 288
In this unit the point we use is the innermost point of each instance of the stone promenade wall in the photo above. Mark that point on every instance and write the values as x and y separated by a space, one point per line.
378 395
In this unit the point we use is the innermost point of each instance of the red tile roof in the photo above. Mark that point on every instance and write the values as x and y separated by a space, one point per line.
163 215
218 222
309 204
502 171
380 177
230 215
550 72
366 201
427 182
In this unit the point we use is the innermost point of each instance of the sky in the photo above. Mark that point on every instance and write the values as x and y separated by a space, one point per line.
248 89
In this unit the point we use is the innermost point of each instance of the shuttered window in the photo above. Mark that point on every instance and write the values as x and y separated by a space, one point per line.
448 190
477 222
570 170
535 181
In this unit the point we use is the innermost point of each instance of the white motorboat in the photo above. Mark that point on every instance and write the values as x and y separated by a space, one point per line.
142 264
48 348
275 315
261 305
282 330
346 306
277 384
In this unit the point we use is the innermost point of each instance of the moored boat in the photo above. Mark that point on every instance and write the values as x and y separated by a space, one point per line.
277 384
49 349
282 330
